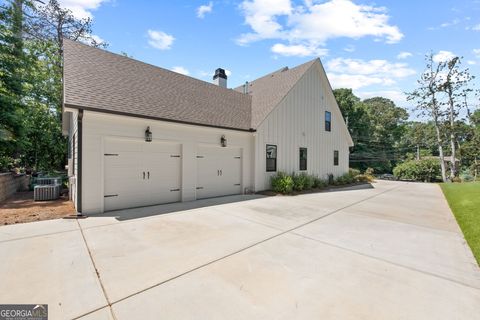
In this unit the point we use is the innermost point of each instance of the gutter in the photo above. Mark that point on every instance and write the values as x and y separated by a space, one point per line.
119 113
79 161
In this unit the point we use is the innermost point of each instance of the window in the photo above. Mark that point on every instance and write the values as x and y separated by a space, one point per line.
271 157
303 158
335 158
328 121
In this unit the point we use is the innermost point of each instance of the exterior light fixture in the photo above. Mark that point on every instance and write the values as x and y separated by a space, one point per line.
223 141
148 135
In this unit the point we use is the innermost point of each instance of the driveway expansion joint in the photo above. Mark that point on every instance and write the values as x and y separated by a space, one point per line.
97 274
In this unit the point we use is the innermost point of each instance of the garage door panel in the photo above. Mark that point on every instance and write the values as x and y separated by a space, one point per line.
218 172
125 185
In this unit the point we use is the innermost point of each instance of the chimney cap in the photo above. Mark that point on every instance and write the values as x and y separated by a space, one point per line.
220 73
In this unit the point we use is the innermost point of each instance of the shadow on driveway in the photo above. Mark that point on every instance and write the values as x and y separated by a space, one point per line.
142 212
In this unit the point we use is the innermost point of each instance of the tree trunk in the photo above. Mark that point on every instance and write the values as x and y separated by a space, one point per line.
453 162
440 152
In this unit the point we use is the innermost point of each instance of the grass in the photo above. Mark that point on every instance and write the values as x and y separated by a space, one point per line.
464 200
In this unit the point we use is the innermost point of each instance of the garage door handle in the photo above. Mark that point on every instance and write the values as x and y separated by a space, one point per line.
110 195
199 188
143 175
236 184
148 175
171 190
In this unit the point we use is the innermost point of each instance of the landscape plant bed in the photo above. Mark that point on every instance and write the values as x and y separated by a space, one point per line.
272 193
21 208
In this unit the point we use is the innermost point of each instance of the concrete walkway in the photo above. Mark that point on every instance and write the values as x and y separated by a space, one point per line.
393 251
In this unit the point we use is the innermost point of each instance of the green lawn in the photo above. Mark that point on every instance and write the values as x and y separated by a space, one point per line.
464 200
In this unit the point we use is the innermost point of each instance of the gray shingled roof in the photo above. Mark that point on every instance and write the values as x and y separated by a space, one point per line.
96 79
268 91
99 80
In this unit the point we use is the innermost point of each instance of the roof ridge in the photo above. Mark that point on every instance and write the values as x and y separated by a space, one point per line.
283 69
149 64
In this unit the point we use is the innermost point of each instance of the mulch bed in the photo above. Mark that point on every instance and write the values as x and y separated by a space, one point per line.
21 208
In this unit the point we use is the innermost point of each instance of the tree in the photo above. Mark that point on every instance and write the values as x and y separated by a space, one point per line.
31 38
420 135
455 85
55 23
376 126
11 71
426 98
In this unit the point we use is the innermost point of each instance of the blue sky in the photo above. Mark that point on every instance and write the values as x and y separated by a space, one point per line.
374 47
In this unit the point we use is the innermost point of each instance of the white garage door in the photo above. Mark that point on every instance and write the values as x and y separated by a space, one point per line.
219 171
139 173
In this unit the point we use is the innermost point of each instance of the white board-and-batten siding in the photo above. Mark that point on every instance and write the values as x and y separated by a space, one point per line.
97 127
299 122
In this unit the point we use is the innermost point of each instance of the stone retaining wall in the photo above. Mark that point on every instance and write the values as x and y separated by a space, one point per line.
11 183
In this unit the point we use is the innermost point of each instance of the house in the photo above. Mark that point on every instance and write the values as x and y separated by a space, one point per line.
141 135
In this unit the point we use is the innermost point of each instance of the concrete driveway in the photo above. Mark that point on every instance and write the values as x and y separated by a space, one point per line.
393 251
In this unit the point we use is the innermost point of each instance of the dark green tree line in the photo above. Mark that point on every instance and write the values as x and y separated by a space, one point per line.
31 38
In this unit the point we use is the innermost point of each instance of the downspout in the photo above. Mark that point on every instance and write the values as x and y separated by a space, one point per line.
79 161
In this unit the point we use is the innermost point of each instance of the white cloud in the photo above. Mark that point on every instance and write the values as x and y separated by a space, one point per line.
404 55
81 8
372 67
357 73
349 48
443 56
476 52
314 24
228 73
261 16
471 62
476 27
204 9
180 69
298 50
450 23
160 40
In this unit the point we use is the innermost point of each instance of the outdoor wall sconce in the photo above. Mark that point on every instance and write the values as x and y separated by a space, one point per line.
223 141
148 135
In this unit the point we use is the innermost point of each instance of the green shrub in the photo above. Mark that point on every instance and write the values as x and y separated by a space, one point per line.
466 177
309 182
419 170
369 172
344 179
282 183
319 183
353 172
6 163
299 182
